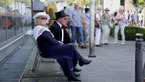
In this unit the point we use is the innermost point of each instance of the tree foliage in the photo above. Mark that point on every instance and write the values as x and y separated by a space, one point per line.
82 2
9 2
141 2
122 2
138 4
28 3
4 2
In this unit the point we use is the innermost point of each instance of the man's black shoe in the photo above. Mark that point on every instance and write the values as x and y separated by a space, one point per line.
76 69
84 62
73 78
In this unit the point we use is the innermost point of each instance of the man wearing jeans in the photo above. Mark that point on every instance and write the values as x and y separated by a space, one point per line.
77 25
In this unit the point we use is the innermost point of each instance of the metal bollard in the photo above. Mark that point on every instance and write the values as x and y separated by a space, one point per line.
139 58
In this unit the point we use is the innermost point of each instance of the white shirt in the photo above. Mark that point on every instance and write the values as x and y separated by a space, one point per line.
62 31
140 16
98 16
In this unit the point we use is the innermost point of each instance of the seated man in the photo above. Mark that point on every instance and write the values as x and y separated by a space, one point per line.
66 55
59 31
58 28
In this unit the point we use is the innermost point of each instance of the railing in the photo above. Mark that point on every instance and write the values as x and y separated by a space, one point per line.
139 70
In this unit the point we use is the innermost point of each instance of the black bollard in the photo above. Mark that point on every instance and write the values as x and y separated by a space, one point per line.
139 58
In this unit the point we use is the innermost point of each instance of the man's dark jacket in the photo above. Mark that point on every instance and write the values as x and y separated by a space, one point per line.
56 30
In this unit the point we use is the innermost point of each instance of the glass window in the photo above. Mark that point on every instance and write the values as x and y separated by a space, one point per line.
10 19
2 20
15 18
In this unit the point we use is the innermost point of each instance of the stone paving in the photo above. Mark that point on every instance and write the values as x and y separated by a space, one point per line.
113 63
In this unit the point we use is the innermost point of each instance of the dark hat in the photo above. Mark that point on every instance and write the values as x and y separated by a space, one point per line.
60 14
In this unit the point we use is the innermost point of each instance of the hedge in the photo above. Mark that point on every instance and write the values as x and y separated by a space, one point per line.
130 32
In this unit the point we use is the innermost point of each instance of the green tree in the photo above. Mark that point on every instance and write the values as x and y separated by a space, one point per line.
3 4
140 4
83 2
28 3
122 2
9 2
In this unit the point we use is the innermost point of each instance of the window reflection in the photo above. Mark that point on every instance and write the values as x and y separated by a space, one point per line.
15 18
2 17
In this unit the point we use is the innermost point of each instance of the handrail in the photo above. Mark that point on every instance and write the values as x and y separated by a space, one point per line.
11 43
5 47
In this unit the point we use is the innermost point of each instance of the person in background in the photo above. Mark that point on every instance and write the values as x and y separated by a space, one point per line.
120 18
140 19
77 25
134 18
105 27
67 56
69 11
127 16
64 8
87 13
84 25
115 13
98 16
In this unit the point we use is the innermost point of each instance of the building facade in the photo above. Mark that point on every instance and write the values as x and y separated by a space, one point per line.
113 5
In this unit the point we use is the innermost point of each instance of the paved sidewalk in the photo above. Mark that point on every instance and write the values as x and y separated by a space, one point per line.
114 63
